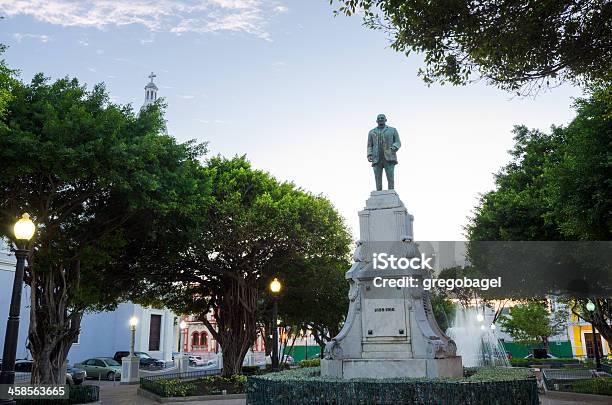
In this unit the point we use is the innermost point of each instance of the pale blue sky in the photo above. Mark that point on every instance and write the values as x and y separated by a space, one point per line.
290 86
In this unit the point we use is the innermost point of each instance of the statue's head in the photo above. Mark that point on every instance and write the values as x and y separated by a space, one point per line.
381 120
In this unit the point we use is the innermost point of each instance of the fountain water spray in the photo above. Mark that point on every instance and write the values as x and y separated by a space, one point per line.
476 340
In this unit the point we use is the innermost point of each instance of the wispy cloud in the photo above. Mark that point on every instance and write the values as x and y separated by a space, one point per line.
179 16
279 66
185 96
21 36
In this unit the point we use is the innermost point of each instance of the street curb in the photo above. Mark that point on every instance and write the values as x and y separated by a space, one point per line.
582 398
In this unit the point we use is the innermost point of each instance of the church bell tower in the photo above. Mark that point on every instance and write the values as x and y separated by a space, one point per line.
150 92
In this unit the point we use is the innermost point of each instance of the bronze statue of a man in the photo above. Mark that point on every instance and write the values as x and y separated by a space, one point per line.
383 143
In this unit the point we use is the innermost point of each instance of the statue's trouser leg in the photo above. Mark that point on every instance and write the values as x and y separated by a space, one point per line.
389 171
378 169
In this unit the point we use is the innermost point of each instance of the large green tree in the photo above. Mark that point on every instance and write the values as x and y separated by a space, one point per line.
102 183
558 187
316 295
517 45
532 323
255 225
7 82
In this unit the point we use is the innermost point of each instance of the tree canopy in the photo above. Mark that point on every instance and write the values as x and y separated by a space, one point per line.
558 185
316 295
256 227
558 188
518 45
532 323
7 81
101 182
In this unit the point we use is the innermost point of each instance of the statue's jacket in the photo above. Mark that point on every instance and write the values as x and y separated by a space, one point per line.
391 143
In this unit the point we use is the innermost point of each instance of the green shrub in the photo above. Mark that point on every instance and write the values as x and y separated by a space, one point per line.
281 366
171 387
214 384
306 385
599 386
208 385
250 370
518 362
78 394
310 363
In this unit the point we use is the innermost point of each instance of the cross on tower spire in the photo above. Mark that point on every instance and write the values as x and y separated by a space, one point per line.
150 91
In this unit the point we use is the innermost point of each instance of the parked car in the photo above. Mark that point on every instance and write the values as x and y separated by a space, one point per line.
196 361
146 361
101 367
75 376
23 366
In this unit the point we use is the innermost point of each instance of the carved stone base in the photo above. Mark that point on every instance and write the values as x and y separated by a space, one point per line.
392 368
388 332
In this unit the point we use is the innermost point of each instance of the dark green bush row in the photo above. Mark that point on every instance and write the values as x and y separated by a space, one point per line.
527 362
210 385
281 366
310 363
250 370
305 385
78 394
599 386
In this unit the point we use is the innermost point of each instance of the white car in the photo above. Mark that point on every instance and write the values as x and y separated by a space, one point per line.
197 361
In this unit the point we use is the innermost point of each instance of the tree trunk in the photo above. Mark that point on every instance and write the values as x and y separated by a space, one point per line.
601 317
236 324
320 337
53 328
545 344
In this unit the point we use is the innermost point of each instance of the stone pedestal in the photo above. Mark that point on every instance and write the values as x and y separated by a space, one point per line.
130 368
389 332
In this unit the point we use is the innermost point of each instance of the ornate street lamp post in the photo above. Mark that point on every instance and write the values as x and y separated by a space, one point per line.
591 308
275 287
24 231
130 364
182 327
133 323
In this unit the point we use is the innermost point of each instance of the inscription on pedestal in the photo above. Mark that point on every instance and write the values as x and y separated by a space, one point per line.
384 318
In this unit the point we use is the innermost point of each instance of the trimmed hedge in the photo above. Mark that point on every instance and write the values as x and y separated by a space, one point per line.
599 386
309 363
78 394
305 385
249 370
552 362
210 385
